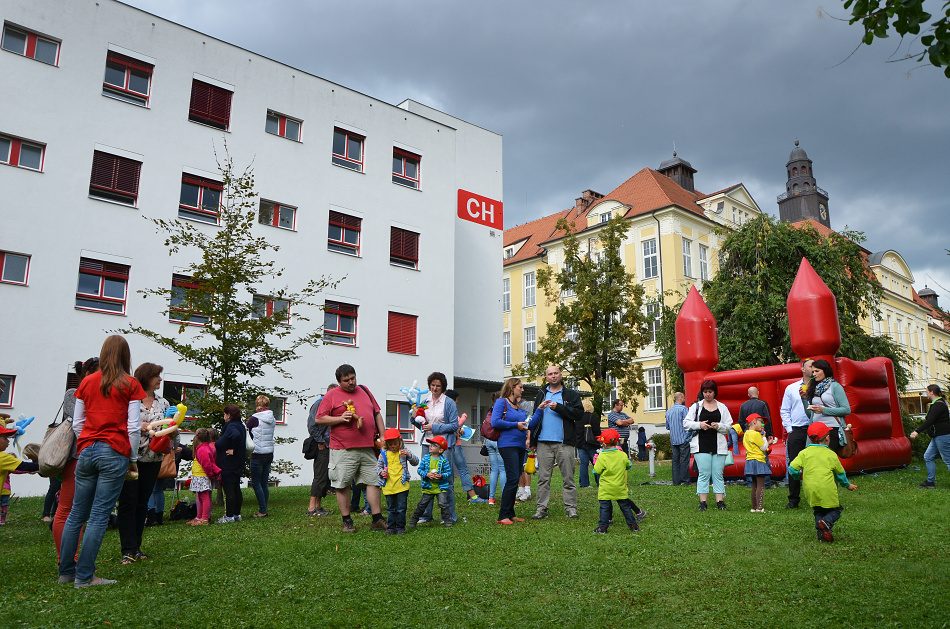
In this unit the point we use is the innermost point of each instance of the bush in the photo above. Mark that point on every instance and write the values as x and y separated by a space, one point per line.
662 441
919 445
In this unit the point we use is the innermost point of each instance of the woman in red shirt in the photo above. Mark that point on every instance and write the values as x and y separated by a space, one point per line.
106 422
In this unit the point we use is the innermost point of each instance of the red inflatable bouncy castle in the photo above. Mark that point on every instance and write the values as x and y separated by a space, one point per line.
813 325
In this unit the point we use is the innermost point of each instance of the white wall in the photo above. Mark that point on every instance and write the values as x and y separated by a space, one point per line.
50 216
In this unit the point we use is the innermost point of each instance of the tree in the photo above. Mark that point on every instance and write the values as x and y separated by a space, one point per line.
757 265
907 17
234 322
598 326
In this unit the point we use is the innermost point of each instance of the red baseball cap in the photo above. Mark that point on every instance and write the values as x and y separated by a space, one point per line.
609 436
6 432
440 441
754 416
391 433
818 429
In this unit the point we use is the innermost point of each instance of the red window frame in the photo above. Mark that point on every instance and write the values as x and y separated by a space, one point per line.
280 414
124 92
114 178
399 176
194 317
210 104
403 248
345 222
337 336
269 307
199 211
282 125
402 333
274 220
8 391
344 159
31 39
3 262
402 419
184 386
16 145
104 270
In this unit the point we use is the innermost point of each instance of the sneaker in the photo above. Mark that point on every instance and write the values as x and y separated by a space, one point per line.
224 520
640 515
476 500
378 525
447 525
424 520
127 560
412 523
348 526
634 528
760 511
601 529
540 514
753 510
236 518
792 505
702 506
927 485
572 514
311 512
92 582
192 521
491 501
259 515
67 578
721 505
201 523
825 530
365 512
321 512
389 532
400 531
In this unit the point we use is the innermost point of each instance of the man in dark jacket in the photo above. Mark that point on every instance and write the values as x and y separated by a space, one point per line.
557 410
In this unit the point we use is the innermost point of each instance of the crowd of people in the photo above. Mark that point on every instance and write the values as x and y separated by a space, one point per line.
118 460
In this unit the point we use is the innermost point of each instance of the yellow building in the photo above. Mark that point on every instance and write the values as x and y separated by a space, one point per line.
670 244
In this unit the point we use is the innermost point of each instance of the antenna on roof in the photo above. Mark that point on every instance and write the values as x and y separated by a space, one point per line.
674 148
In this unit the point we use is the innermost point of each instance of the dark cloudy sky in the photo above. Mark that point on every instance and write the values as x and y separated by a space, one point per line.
588 93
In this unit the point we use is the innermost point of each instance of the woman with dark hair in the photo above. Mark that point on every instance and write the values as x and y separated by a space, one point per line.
586 450
133 501
641 444
937 426
231 450
106 421
826 402
509 419
710 420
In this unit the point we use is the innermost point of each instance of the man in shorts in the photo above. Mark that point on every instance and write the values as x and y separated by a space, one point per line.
352 456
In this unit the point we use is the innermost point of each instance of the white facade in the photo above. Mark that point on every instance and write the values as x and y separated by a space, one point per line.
49 215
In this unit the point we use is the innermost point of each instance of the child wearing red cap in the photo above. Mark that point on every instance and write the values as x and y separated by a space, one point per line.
434 467
819 467
757 458
393 469
611 471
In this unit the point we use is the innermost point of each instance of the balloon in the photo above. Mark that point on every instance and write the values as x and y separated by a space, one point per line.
174 416
20 425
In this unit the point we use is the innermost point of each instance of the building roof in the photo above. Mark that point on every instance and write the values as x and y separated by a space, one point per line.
536 232
935 313
798 154
649 190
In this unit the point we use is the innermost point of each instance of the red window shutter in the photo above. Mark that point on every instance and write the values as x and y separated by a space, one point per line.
119 174
127 176
412 246
345 220
200 99
220 105
129 62
404 244
210 102
402 333
201 181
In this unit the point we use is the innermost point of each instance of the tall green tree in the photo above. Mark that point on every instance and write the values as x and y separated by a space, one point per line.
235 320
757 265
907 18
598 326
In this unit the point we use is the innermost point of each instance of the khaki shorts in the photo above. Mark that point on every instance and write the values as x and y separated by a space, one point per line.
354 464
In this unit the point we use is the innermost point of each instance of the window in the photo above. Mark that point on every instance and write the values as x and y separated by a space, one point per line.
114 178
278 406
687 258
17 152
605 217
404 248
614 388
265 306
199 199
402 333
573 333
278 215
506 346
530 341
734 217
210 105
654 379
506 295
6 391
339 323
653 322
900 331
14 268
343 233
102 286
348 150
281 125
397 416
127 79
650 260
23 42
509 253
185 393
406 168
570 291
703 262
529 290
178 312
720 206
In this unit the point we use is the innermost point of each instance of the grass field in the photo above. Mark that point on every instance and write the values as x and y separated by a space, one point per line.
889 567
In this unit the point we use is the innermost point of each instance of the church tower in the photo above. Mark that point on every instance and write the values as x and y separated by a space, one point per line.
803 198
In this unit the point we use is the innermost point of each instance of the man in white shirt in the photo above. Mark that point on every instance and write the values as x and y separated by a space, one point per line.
795 422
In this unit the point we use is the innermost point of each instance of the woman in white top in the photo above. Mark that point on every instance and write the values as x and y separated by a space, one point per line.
710 420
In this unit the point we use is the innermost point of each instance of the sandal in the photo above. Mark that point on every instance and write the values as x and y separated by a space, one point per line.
127 559
259 515
140 555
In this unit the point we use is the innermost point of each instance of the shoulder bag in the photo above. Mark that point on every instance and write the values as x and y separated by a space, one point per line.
310 448
169 468
490 432
59 446
851 447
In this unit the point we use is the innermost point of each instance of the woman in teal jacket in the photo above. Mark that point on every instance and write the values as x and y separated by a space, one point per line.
828 403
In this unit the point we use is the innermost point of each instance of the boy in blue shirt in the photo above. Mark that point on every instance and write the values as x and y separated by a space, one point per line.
436 476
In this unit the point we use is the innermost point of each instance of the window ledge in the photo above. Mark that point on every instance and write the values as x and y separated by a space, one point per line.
105 312
8 282
399 266
210 126
341 344
113 202
127 102
402 185
194 220
282 137
33 170
352 254
352 170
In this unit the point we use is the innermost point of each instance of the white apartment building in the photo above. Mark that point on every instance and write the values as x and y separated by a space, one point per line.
111 116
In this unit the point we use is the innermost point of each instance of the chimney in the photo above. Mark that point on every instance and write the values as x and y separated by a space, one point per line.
586 199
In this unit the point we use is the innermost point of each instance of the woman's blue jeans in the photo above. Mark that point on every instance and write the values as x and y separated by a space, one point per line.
157 500
100 474
497 475
941 444
260 474
710 466
586 455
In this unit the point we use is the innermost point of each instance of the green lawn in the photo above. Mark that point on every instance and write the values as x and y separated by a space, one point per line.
887 567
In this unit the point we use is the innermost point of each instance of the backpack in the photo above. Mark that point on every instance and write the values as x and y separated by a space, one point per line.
183 511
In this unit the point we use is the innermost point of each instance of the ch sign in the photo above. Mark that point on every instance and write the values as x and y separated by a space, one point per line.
478 209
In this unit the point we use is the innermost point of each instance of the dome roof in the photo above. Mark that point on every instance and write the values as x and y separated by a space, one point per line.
676 161
927 292
798 154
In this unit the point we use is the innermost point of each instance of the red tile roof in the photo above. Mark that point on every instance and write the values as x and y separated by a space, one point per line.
648 190
537 231
937 314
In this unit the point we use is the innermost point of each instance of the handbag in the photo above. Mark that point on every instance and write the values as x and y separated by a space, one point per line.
249 442
169 468
490 432
59 446
730 460
589 437
310 448
851 447
484 450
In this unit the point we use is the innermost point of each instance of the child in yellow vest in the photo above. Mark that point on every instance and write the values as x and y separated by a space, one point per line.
393 469
819 468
